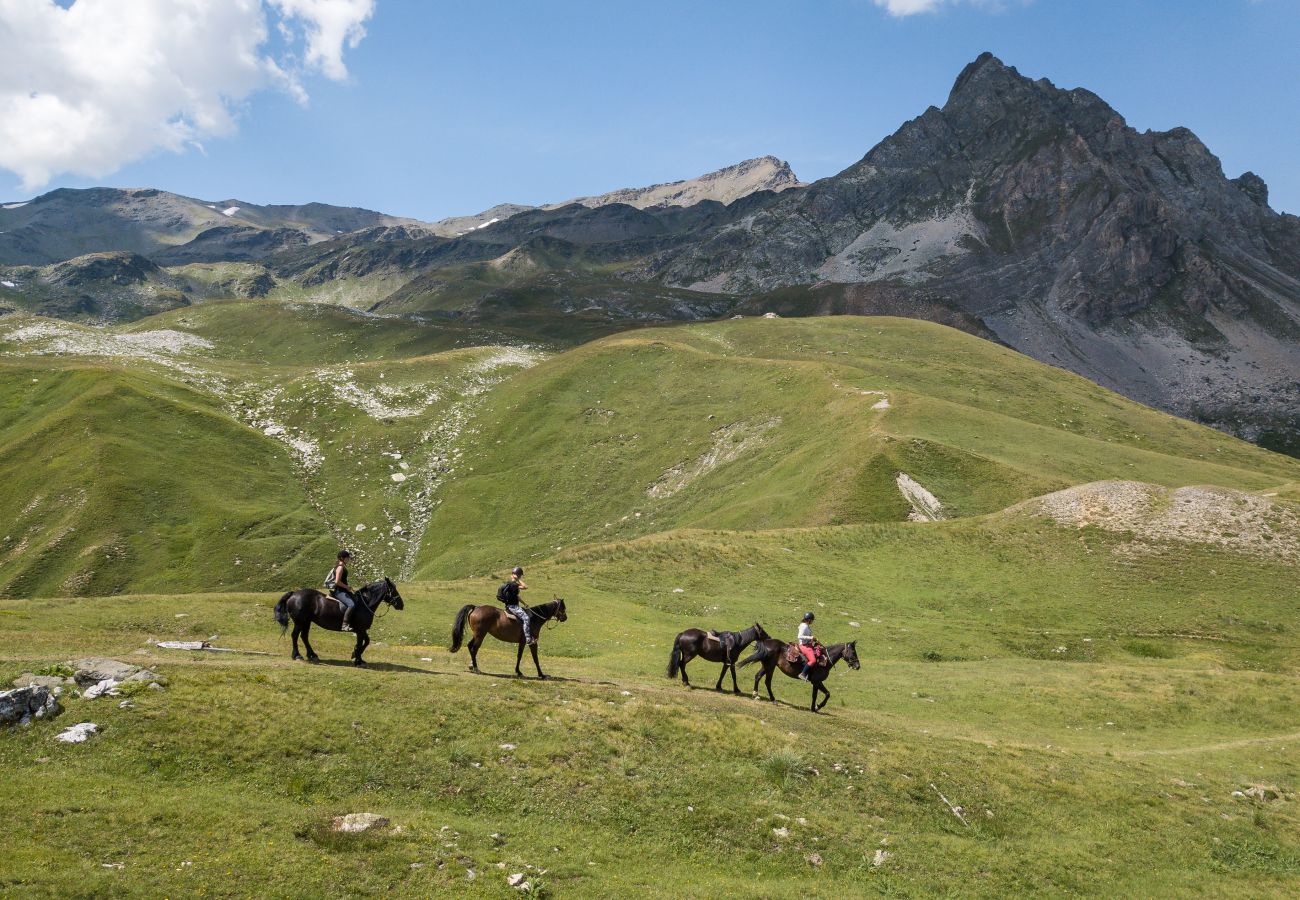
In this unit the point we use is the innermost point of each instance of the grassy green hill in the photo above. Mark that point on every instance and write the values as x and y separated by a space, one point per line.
116 480
1086 661
772 423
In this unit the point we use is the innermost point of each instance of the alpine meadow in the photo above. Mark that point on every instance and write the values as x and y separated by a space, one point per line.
1006 411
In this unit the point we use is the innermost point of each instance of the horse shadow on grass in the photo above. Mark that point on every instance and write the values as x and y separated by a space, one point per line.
383 667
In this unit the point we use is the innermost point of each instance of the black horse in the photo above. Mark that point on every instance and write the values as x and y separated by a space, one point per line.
773 654
693 642
308 605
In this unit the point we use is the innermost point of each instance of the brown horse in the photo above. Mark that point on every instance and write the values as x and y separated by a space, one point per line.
308 605
494 620
772 654
693 642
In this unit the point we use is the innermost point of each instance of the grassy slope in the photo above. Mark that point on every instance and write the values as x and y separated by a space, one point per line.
1107 769
115 479
564 453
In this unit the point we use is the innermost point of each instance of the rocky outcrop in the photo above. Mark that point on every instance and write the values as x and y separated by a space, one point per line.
21 705
726 185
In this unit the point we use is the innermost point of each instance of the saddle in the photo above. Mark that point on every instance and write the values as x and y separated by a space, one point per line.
794 655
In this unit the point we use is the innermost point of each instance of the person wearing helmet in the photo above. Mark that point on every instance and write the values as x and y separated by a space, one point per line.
807 644
508 594
336 582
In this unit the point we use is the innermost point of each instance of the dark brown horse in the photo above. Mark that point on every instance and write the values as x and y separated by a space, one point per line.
772 654
493 620
693 642
308 605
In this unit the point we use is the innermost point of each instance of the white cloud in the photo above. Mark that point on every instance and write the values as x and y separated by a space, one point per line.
902 8
88 88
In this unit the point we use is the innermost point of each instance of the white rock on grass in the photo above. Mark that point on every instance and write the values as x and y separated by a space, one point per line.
77 734
398 477
105 688
354 822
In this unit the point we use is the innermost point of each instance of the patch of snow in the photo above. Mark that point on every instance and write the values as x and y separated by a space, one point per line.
881 404
487 223
925 505
8 284
77 734
16 205
230 210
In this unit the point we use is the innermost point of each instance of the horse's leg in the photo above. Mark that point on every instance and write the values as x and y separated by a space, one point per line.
359 649
474 643
686 657
825 699
296 628
735 688
721 675
519 657
769 670
536 664
306 642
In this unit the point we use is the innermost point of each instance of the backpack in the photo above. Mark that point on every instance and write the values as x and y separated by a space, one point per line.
329 578
503 594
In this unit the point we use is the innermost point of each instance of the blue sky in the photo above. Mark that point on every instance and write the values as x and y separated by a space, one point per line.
448 108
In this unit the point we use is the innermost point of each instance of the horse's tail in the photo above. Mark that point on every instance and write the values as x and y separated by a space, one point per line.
458 629
675 659
761 654
282 612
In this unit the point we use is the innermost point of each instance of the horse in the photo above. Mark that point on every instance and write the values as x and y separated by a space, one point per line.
693 642
308 605
494 620
772 653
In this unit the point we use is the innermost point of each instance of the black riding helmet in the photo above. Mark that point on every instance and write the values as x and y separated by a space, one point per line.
343 554
808 617
517 571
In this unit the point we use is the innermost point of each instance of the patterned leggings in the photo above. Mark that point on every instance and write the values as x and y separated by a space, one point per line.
524 621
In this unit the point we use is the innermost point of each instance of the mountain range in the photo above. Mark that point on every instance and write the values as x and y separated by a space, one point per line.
1018 211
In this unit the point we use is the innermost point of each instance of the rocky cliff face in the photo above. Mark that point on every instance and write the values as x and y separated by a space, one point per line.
1128 257
766 173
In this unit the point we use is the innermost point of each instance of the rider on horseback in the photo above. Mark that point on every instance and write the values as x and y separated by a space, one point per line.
337 583
508 594
807 645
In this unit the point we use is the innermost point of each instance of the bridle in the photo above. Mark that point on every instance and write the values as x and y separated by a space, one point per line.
383 599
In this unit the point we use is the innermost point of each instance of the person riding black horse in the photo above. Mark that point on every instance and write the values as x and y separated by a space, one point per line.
808 645
336 582
508 594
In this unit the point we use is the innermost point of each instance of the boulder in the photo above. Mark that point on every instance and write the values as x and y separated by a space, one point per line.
21 705
353 822
96 669
27 679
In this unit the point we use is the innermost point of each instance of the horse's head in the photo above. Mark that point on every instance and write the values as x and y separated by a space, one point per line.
760 634
560 614
851 655
391 595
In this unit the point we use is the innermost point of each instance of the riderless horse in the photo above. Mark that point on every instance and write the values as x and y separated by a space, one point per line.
720 648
